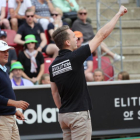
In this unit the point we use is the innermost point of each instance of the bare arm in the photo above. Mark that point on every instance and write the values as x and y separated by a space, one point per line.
18 104
18 7
18 39
50 6
43 42
70 3
41 72
106 30
55 94
12 13
89 66
2 16
51 32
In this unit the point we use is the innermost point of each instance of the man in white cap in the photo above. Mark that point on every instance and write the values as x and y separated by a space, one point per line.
8 103
12 53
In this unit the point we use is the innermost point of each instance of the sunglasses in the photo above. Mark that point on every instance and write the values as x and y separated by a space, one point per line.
82 13
29 16
54 15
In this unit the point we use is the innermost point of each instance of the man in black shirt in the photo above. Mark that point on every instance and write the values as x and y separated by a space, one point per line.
68 82
30 27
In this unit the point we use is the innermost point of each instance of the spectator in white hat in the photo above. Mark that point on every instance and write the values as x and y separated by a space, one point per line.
12 53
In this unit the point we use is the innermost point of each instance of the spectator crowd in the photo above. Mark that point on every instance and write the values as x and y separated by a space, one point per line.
34 22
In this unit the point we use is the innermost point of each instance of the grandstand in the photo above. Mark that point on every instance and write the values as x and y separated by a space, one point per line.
130 32
130 38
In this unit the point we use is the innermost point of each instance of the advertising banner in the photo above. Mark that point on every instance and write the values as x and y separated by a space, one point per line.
116 110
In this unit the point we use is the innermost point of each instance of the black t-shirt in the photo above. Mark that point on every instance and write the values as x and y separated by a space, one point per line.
85 28
68 74
25 29
26 62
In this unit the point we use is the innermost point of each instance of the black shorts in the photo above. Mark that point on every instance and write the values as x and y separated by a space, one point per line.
20 21
44 49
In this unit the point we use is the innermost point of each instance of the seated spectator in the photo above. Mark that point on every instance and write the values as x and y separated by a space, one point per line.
98 75
4 23
83 26
57 16
88 64
17 80
43 9
16 13
12 53
123 75
32 60
29 27
45 79
69 8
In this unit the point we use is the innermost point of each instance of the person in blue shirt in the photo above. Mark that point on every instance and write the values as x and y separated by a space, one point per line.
8 103
57 15
17 80
88 63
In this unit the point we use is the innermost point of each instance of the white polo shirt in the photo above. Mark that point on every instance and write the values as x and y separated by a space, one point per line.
13 4
2 4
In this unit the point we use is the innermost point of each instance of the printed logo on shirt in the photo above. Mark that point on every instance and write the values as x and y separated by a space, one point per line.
62 67
38 31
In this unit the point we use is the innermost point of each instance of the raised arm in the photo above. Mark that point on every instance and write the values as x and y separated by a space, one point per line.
106 30
55 94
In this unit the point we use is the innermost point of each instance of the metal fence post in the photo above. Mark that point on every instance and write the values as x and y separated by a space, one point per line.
98 27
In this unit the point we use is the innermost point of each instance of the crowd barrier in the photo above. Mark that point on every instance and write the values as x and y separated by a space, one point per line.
116 110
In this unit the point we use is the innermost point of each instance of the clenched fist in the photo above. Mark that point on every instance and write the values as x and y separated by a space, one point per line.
122 10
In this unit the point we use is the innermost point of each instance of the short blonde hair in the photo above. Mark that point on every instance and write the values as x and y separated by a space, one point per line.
58 10
82 8
29 10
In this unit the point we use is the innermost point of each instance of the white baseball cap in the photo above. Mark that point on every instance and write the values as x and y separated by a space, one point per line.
4 46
